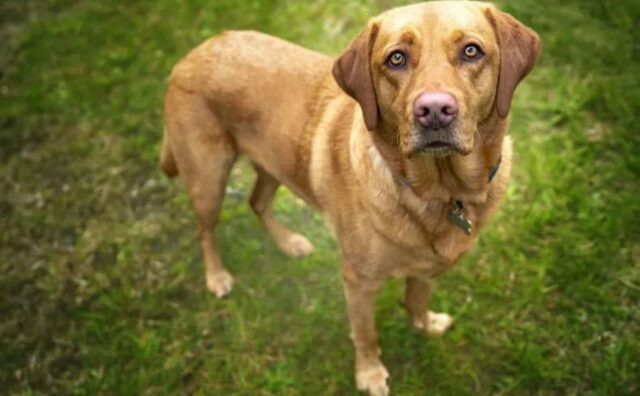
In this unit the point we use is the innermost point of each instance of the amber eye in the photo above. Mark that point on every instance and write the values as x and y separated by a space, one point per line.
396 60
472 52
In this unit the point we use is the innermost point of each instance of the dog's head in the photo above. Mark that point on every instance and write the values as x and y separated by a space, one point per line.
431 75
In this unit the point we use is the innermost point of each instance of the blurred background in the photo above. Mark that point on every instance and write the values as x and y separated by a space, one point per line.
101 282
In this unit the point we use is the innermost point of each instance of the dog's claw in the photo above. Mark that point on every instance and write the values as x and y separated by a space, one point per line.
220 283
373 381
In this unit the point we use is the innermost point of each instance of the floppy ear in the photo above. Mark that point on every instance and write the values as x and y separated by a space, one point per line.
352 72
519 48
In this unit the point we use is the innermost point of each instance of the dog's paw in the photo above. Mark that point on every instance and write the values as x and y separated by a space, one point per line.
373 381
438 323
220 283
296 246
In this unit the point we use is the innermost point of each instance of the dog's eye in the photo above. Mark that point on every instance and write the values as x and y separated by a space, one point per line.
396 60
471 52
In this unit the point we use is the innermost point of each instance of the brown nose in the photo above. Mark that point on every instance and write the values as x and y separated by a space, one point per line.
435 109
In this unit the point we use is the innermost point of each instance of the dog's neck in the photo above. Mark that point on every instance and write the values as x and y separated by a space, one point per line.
447 178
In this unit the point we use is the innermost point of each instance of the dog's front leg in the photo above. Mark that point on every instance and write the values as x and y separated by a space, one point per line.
371 375
416 300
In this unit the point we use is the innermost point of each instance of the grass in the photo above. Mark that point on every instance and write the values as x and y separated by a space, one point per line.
101 285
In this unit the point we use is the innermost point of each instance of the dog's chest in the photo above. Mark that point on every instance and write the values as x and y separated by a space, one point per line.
422 242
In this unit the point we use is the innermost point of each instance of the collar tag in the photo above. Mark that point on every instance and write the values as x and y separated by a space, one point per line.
458 219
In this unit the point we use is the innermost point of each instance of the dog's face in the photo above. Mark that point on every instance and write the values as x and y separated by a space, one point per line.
434 73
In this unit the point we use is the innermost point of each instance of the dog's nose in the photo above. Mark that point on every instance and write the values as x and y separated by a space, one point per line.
435 109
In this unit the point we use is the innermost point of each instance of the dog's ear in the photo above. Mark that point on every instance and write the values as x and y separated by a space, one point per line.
519 48
352 72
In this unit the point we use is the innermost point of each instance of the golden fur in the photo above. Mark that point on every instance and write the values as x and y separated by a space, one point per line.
341 134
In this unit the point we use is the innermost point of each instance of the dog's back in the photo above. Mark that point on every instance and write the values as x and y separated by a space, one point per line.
262 90
249 77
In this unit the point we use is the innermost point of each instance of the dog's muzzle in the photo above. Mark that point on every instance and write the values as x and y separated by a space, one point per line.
435 114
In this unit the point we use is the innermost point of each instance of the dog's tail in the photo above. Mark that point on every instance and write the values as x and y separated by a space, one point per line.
167 161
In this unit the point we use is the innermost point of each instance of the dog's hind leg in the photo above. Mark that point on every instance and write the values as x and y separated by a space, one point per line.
204 155
292 244
167 162
416 301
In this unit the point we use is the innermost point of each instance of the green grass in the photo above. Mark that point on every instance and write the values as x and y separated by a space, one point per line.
101 284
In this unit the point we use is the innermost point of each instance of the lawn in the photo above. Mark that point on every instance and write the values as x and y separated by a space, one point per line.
101 283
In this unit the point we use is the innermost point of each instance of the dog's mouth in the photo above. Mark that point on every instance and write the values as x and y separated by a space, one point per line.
438 142
439 148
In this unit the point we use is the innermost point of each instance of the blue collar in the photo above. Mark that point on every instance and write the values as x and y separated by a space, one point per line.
492 174
456 214
494 169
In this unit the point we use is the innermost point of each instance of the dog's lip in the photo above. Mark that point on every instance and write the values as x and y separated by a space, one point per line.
438 145
439 142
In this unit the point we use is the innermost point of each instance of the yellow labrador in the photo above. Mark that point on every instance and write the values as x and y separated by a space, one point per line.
401 142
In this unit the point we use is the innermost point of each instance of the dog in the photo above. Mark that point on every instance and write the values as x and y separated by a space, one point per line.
401 142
